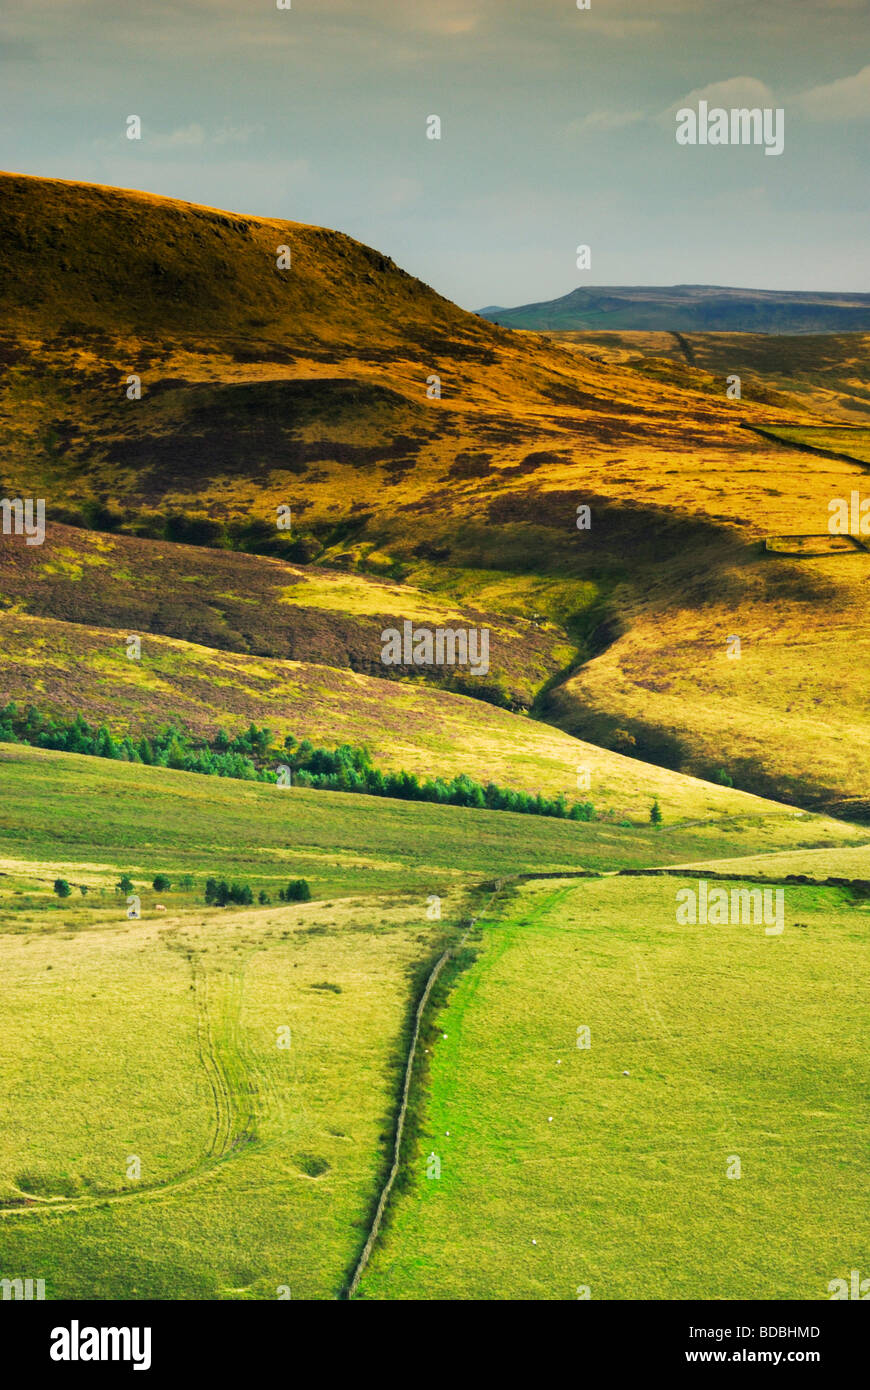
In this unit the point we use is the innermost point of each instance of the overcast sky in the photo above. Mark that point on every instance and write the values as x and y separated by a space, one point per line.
557 129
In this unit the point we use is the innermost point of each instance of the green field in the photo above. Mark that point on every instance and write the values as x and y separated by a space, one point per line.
258 1163
257 1166
849 443
560 1172
91 819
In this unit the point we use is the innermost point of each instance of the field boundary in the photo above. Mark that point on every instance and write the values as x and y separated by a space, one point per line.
406 1092
767 432
692 871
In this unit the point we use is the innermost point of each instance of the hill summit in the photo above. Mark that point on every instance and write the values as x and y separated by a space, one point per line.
84 258
692 309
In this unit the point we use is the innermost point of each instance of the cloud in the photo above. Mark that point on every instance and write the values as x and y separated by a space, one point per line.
399 192
182 138
188 137
847 99
603 121
236 134
734 91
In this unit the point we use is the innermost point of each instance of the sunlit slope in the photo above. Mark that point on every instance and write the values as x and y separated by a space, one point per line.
845 862
68 669
823 372
264 606
322 406
261 385
763 668
89 819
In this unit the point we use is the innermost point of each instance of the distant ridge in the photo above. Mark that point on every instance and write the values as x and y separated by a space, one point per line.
692 308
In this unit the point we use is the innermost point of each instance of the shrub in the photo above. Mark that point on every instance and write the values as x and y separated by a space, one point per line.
62 888
623 740
219 893
161 883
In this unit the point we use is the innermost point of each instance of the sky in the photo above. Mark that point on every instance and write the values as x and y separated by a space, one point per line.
557 129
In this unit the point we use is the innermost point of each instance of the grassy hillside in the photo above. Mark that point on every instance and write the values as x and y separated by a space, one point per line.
603 1171
852 444
154 820
265 607
825 373
69 668
803 642
149 258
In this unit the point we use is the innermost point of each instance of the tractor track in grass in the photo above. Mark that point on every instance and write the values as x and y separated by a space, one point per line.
233 1092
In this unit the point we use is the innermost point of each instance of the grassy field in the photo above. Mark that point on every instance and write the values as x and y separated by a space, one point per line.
161 1043
154 1042
604 1169
851 862
89 819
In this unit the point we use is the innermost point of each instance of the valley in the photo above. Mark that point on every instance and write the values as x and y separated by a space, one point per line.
202 1100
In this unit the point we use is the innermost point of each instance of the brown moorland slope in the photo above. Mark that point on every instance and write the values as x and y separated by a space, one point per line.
307 387
823 372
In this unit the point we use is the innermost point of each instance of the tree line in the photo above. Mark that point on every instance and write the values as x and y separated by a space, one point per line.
252 754
218 892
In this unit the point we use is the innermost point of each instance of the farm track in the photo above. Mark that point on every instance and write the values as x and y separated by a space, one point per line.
213 1070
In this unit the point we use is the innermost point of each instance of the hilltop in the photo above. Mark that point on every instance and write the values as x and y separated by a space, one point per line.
691 309
313 388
